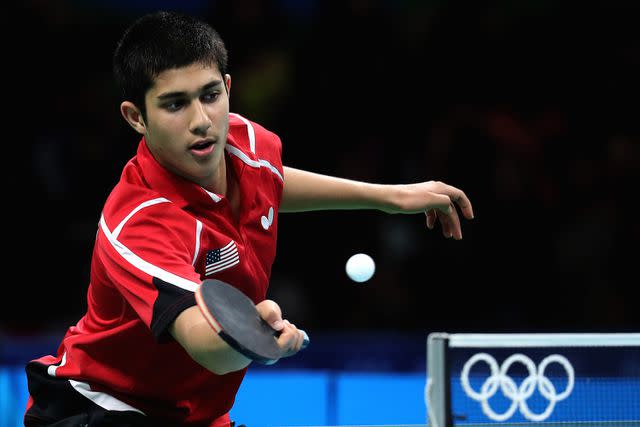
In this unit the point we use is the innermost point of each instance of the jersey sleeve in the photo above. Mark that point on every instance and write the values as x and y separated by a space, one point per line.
264 144
269 147
148 257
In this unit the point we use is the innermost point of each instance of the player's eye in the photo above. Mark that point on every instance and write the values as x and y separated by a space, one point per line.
210 97
174 105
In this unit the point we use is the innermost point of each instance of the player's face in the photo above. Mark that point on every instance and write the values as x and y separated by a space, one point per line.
188 122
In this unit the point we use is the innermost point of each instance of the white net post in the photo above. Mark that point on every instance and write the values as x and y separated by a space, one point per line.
437 387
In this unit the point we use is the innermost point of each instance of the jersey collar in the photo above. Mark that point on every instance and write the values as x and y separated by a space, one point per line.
180 191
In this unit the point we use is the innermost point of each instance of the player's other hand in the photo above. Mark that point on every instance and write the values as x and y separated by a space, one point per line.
439 201
291 338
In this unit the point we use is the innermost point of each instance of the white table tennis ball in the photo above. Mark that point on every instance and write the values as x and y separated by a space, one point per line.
360 267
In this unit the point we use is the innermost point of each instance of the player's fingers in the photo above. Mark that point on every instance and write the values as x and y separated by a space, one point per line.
271 313
450 224
454 228
432 216
299 336
444 224
290 339
458 197
464 204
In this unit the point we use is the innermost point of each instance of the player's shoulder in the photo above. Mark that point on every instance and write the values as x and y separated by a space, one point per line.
135 214
251 136
134 203
239 123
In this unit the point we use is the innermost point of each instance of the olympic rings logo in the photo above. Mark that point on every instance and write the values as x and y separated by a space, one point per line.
518 394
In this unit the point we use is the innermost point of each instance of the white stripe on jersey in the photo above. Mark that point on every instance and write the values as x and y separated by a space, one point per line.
116 231
143 265
51 369
251 133
198 232
213 196
104 400
260 163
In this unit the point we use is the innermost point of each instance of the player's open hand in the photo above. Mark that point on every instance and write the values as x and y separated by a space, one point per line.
439 201
291 338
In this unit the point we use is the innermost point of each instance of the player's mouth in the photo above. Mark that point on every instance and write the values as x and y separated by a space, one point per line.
202 147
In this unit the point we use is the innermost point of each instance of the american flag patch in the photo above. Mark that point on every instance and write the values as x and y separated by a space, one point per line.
221 258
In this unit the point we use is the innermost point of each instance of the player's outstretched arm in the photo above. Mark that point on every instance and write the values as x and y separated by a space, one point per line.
206 347
308 191
192 330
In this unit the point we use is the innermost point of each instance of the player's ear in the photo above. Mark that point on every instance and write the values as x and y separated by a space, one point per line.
133 116
227 83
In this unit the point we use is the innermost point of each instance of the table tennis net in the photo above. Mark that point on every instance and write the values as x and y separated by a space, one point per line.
532 378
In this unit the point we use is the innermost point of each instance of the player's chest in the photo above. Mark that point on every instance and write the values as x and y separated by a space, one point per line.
238 244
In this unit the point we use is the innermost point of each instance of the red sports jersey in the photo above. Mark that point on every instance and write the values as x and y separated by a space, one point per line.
158 238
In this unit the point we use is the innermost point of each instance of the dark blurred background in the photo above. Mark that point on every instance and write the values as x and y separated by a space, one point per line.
530 107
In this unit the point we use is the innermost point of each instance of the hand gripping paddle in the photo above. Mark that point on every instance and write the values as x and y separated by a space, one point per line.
235 318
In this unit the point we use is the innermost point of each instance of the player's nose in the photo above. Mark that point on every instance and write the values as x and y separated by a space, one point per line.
200 120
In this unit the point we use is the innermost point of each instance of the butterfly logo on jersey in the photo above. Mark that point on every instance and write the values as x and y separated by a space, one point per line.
221 258
267 221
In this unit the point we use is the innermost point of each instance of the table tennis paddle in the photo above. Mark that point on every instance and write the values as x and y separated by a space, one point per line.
235 318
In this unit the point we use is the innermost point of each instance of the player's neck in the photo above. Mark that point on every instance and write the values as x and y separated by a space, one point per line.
226 184
219 184
232 192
